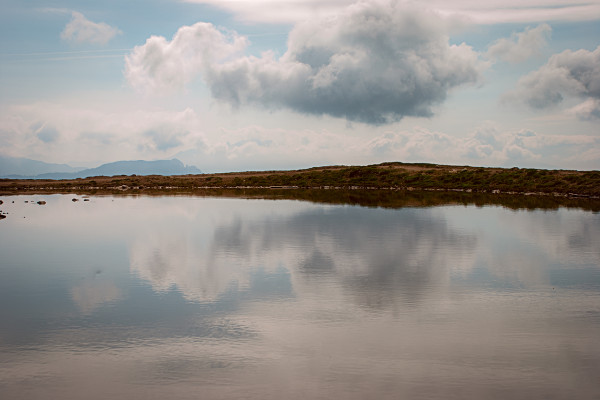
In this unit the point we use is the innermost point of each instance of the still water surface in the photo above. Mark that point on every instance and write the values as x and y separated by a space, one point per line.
202 298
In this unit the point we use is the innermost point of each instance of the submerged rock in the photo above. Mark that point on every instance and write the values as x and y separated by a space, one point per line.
2 216
73 200
41 202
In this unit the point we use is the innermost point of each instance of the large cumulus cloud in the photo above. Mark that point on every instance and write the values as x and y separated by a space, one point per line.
567 74
374 62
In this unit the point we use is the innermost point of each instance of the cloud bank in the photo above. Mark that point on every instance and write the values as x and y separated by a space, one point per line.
489 146
81 30
374 63
90 135
567 74
84 136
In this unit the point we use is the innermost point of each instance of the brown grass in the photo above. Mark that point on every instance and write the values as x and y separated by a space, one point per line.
396 176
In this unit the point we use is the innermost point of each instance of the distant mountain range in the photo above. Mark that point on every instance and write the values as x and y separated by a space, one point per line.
27 167
24 168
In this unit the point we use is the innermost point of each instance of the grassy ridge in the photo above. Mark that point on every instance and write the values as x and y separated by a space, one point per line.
387 175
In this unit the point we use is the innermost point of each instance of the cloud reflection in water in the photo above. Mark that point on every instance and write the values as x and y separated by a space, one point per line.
375 256
281 299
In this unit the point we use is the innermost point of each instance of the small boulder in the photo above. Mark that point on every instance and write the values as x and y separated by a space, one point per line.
74 200
41 202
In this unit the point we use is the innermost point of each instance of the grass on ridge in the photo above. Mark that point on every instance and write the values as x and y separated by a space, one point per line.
394 175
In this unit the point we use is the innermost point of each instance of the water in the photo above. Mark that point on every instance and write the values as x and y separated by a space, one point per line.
202 298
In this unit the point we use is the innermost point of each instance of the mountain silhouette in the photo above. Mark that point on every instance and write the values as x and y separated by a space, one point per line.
138 167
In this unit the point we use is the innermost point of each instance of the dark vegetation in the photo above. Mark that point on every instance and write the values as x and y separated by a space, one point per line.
396 176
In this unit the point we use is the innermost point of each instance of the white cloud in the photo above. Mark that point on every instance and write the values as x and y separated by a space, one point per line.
589 110
374 63
568 74
481 12
521 46
82 30
161 65
417 145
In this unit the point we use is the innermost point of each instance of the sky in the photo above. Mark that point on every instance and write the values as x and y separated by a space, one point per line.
235 85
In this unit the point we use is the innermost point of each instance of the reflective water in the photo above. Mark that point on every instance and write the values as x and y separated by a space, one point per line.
201 298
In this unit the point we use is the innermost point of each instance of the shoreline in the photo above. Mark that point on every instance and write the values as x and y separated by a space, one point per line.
185 189
386 176
354 197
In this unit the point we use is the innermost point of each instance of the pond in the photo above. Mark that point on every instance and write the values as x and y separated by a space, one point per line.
189 297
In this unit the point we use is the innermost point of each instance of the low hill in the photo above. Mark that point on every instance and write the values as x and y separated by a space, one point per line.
394 176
